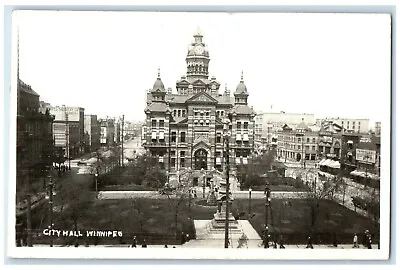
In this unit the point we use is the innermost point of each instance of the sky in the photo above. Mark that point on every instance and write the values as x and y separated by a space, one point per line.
331 65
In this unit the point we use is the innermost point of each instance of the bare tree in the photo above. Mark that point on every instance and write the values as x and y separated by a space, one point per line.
315 195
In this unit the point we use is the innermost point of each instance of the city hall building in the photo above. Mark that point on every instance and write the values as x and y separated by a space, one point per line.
184 129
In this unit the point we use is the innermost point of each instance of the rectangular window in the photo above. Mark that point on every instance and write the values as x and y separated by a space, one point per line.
153 123
182 163
183 137
179 113
218 138
298 147
307 147
298 139
161 124
313 140
173 161
174 112
245 125
173 153
183 113
308 140
182 153
238 125
161 136
313 147
173 136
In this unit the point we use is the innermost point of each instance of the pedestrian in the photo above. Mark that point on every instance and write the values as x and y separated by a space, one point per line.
165 246
309 244
369 241
266 240
355 241
242 241
182 238
144 245
281 241
134 242
335 240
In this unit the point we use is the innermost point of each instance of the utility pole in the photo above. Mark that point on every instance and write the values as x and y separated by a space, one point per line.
122 140
67 138
29 211
51 207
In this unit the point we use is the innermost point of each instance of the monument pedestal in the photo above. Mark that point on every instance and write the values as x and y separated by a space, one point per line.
218 222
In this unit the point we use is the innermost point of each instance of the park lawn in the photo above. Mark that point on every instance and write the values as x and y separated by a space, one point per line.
154 219
295 221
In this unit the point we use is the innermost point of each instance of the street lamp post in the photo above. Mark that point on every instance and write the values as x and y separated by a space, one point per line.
267 205
226 138
96 175
190 198
204 182
249 202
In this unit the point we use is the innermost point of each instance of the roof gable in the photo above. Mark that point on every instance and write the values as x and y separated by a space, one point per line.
202 97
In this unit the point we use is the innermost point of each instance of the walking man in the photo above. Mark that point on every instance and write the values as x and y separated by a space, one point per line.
309 244
355 241
281 241
134 242
144 245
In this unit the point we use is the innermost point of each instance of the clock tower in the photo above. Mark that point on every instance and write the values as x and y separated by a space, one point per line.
197 58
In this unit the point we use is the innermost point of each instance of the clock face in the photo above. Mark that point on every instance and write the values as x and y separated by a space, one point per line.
198 49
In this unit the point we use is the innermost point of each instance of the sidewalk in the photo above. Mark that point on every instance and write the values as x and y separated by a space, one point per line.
218 244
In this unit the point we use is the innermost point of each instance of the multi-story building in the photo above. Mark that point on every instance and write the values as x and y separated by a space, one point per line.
349 124
185 129
107 132
34 137
69 129
92 133
378 128
360 158
269 123
299 144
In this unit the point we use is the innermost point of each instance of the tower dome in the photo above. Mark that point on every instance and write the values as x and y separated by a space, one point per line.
158 84
241 88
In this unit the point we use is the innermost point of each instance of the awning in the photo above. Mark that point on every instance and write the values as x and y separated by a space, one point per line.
238 160
238 137
365 174
246 137
161 135
327 175
161 159
349 141
334 164
321 163
153 135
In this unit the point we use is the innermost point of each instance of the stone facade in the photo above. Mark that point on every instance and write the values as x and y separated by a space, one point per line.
184 129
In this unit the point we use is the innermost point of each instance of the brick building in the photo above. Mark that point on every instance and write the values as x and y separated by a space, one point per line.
34 137
184 129
69 129
297 144
92 133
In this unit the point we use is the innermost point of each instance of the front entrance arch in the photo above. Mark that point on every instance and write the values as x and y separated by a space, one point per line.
200 159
